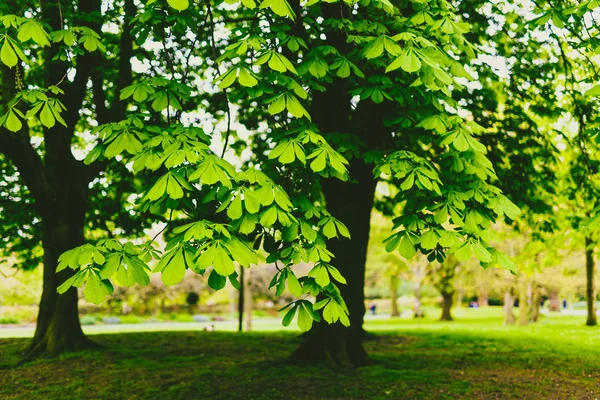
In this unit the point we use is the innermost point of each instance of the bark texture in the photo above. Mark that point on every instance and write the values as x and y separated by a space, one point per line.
447 301
394 312
554 301
509 302
590 285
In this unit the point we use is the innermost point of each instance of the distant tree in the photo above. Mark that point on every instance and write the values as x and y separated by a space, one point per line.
442 275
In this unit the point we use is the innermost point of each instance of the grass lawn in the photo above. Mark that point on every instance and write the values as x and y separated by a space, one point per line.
474 357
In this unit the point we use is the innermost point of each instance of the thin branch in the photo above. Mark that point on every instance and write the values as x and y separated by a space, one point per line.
214 50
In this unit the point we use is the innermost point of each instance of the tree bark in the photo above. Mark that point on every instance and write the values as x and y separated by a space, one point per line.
351 203
447 300
590 276
248 301
394 297
58 328
554 301
418 307
534 310
241 300
523 300
482 298
509 302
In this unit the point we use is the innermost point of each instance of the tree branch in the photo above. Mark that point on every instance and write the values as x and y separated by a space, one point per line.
18 149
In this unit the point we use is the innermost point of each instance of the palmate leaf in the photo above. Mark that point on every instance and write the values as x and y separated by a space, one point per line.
407 60
279 7
96 290
179 5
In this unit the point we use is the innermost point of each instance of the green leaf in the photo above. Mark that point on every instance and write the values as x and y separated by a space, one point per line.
216 280
289 316
335 274
13 123
593 92
159 188
465 252
67 284
279 7
222 263
247 78
406 248
407 60
304 320
94 291
308 232
179 5
8 54
294 284
482 253
174 270
429 240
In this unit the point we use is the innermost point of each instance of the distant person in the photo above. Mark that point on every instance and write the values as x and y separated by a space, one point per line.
564 304
373 308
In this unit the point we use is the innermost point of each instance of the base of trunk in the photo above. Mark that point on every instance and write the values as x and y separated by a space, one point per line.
55 343
331 344
591 321
58 329
446 306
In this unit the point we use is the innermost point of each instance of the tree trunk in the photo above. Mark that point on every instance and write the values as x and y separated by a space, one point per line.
554 301
418 307
248 300
58 328
447 300
482 298
523 299
351 203
509 302
241 300
394 297
534 310
590 289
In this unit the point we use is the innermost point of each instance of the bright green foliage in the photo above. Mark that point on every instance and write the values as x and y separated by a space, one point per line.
403 59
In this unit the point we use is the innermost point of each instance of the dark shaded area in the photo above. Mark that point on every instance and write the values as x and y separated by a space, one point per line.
416 365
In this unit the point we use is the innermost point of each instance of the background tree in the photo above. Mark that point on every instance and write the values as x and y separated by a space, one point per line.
442 276
55 85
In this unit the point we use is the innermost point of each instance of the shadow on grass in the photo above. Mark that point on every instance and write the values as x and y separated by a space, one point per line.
440 363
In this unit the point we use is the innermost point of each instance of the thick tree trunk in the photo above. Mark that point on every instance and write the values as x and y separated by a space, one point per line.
509 302
590 276
58 328
554 301
351 203
447 300
418 307
394 297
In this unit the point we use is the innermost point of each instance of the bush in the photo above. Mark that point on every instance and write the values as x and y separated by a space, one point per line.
88 320
9 320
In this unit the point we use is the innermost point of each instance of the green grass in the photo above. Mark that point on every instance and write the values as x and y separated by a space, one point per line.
474 357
